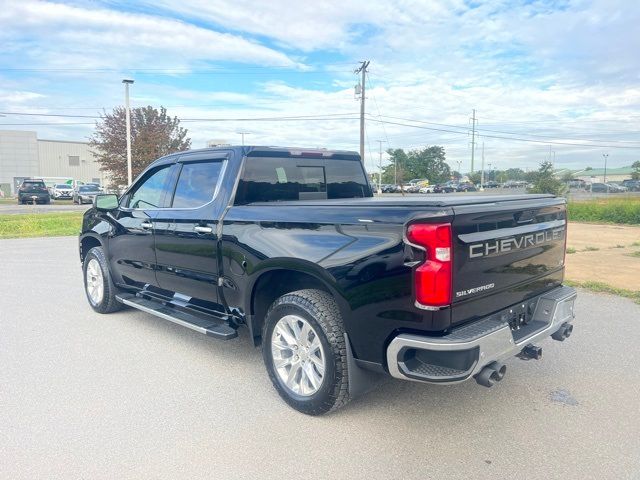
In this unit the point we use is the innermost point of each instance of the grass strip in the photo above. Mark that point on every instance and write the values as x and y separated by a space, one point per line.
623 210
40 224
602 287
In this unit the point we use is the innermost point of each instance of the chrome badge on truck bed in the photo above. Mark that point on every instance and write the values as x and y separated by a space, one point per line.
499 246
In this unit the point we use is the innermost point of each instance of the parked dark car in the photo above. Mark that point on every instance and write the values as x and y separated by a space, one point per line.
632 185
443 189
335 285
607 188
466 187
85 194
33 190
491 184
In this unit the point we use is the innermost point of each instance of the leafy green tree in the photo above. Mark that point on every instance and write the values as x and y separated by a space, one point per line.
635 175
153 135
476 177
546 182
567 176
396 168
513 174
429 163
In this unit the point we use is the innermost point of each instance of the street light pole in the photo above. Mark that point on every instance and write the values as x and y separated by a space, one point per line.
243 134
482 172
606 157
380 142
128 120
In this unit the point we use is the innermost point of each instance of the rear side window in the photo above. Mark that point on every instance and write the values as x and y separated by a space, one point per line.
33 185
196 184
270 179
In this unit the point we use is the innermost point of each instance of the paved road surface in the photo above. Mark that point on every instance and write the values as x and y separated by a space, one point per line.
9 208
129 396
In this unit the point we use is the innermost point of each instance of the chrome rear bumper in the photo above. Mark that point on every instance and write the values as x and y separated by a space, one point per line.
464 352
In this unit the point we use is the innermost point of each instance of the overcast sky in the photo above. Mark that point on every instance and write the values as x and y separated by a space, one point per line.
562 75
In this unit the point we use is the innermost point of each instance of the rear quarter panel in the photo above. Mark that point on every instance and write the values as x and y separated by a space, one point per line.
357 252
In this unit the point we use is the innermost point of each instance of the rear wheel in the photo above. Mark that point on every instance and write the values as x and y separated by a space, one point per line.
98 286
305 353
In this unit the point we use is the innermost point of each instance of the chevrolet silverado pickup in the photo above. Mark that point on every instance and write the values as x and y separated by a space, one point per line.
336 286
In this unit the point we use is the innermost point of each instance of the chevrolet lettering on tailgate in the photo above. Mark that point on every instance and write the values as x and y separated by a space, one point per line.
504 245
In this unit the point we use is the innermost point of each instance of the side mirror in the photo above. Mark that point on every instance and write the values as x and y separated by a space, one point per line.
106 202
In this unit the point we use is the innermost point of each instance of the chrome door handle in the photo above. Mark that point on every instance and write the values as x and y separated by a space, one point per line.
146 225
200 229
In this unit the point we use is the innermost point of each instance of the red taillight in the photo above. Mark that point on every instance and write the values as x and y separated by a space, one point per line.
433 277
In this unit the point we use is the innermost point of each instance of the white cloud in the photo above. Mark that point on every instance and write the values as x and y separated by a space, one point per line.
69 36
305 25
564 71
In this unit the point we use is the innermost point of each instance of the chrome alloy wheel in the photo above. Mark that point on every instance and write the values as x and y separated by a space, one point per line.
297 354
95 282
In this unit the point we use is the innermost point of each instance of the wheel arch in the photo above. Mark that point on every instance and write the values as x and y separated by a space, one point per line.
87 242
275 282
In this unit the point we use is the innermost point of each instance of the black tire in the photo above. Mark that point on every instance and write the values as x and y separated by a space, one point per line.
320 310
108 303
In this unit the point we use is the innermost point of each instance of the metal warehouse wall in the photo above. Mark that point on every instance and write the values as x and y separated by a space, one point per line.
18 156
55 162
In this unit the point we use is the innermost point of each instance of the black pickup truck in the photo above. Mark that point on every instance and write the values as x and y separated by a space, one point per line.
336 285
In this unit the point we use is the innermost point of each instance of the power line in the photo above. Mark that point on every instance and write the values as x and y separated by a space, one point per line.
327 116
49 123
247 70
473 138
501 131
508 138
375 101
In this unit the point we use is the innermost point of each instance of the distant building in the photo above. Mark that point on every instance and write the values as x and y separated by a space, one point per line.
216 142
24 155
596 175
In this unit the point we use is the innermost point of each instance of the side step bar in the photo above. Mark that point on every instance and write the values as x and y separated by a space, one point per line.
208 326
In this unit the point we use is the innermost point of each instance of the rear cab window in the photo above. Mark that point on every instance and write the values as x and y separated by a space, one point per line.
33 185
272 179
196 184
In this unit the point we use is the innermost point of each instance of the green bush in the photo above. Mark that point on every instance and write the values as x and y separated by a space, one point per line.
617 210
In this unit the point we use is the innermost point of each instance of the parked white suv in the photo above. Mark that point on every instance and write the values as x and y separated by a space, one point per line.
61 191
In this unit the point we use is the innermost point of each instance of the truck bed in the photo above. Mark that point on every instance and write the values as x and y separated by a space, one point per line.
431 200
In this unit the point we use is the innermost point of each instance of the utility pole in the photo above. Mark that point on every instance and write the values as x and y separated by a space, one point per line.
473 138
606 157
128 121
243 134
482 172
380 142
363 70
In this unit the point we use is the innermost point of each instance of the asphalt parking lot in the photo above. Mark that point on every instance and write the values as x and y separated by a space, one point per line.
9 208
130 396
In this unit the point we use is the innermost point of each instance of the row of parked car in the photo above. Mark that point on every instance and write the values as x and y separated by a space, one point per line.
611 187
36 191
448 187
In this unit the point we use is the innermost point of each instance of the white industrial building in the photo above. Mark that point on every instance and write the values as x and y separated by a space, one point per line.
24 155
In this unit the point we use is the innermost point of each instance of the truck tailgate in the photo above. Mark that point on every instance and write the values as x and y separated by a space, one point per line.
512 249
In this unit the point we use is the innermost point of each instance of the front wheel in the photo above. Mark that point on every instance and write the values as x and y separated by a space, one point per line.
98 285
304 350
